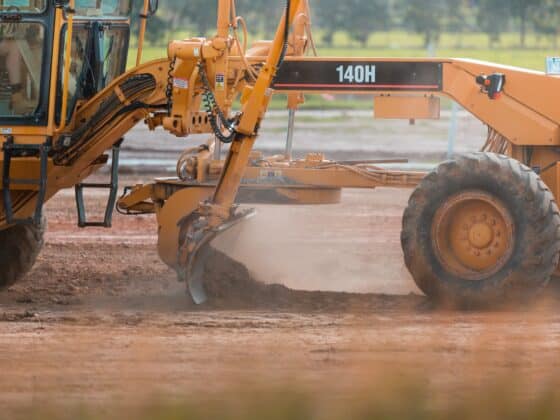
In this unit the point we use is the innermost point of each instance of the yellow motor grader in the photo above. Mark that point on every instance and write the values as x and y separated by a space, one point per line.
479 229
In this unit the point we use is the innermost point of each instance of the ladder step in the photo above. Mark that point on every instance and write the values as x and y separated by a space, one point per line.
112 186
94 224
23 181
96 185
11 150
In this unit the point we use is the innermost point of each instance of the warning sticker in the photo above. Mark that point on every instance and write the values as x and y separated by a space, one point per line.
220 81
180 83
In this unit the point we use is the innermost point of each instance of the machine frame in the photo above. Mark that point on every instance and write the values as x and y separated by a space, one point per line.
194 89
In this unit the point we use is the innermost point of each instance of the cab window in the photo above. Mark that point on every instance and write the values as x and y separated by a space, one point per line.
21 48
115 42
22 6
105 8
80 68
98 56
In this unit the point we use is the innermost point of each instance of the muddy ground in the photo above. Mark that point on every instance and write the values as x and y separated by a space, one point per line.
100 319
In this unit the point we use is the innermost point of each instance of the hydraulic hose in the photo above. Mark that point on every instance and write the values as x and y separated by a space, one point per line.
286 34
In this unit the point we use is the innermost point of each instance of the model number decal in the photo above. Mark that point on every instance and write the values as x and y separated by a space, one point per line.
356 73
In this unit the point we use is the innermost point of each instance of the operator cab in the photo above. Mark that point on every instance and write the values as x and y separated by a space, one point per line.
22 44
29 53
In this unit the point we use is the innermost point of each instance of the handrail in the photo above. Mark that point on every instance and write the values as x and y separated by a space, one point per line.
67 60
142 31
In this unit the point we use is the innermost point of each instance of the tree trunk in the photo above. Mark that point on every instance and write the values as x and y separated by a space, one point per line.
523 25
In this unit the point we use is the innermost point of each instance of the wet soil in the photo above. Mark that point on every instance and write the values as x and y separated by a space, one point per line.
100 318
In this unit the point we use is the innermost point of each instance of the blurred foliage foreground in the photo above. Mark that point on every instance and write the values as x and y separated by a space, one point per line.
391 397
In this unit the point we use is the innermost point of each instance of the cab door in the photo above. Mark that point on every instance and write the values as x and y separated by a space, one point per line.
99 51
26 42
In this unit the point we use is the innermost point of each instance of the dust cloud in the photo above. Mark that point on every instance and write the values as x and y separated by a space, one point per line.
306 250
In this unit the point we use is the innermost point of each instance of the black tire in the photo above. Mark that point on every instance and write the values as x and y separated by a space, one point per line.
19 247
535 248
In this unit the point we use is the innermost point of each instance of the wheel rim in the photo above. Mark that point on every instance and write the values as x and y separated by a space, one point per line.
473 234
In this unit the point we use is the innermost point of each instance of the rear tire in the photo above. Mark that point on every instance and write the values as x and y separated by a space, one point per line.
479 230
19 247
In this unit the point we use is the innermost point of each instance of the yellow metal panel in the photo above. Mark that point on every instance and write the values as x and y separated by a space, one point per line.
180 204
405 106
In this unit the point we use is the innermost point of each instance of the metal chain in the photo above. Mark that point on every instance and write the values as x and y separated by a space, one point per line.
214 112
169 88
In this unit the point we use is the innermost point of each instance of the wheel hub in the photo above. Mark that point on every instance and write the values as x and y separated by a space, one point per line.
480 235
472 234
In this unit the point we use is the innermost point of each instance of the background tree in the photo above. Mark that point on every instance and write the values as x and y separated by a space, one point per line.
492 18
330 15
361 18
521 10
456 15
358 19
262 16
425 17
545 20
198 14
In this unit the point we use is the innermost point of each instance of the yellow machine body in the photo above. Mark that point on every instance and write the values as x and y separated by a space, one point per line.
194 89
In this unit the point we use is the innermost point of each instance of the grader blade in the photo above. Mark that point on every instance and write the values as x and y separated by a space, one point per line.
195 271
198 249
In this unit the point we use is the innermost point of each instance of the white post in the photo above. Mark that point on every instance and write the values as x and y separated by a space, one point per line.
290 134
452 133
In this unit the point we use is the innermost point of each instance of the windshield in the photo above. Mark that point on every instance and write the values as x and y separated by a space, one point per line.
85 77
115 47
24 6
21 50
102 7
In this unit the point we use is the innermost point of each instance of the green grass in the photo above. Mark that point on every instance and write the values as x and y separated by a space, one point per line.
403 39
532 59
528 58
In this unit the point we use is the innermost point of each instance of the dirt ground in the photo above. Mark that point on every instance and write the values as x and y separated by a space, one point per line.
101 319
